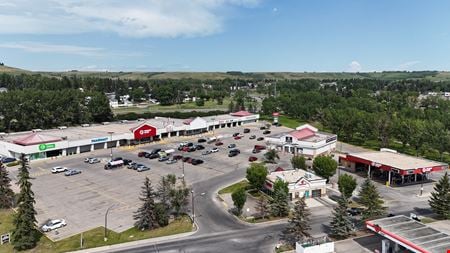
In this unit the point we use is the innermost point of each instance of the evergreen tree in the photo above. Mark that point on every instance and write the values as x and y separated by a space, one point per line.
279 206
6 194
371 199
145 216
25 235
298 227
341 225
239 198
440 197
262 206
165 187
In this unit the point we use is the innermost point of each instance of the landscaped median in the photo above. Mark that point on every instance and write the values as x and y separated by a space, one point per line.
252 208
95 237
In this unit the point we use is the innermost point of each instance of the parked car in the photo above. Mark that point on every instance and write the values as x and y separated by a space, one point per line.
255 151
252 158
237 137
185 159
130 165
252 137
163 159
53 224
246 130
206 152
177 157
94 160
196 161
113 164
262 128
200 147
192 149
231 154
127 161
214 150
232 145
8 159
87 159
117 159
190 144
235 134
142 154
155 151
137 165
72 172
266 132
354 211
219 143
58 169
153 156
260 139
142 168
170 161
201 140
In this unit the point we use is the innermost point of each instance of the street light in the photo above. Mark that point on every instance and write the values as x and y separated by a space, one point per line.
193 204
106 222
111 138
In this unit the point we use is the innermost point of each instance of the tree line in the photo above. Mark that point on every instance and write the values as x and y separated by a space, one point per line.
33 108
370 112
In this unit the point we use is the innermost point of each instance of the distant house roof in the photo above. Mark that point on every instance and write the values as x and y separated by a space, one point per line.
241 114
35 138
302 134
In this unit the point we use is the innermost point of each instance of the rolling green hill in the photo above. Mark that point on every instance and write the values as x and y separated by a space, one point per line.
385 75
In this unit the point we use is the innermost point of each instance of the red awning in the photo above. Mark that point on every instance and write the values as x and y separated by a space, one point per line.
35 138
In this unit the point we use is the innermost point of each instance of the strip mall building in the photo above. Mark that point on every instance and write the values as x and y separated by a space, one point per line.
65 141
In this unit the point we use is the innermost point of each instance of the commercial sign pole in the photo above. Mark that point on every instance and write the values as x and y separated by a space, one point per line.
111 134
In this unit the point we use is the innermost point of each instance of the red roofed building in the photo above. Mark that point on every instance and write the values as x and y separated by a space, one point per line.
241 114
305 140
35 138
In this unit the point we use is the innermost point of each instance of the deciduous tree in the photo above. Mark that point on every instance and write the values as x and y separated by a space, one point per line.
239 197
298 162
256 175
346 184
325 166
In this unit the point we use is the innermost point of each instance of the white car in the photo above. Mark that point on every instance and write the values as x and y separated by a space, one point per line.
94 160
214 150
58 169
53 224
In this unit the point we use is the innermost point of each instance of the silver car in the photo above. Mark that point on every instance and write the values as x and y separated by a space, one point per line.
94 160
142 168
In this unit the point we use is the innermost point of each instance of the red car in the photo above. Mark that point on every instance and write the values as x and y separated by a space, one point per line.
141 154
177 157
185 149
219 143
237 137
252 159
186 158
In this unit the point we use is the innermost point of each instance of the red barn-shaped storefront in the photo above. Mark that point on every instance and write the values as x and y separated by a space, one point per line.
144 132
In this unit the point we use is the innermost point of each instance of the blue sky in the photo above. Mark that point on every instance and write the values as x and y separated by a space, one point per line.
224 35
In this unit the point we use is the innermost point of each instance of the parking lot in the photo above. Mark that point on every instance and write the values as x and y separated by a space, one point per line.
95 190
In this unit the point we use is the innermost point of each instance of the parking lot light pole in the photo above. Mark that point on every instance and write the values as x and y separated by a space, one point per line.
111 136
106 222
193 204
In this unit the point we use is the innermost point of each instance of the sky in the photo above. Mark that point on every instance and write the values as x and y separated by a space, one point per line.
225 35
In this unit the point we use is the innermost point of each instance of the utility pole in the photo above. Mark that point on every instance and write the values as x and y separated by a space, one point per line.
193 208
111 139
106 223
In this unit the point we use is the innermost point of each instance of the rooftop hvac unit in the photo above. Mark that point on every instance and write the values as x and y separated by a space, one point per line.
62 127
105 123
85 125
36 130
140 119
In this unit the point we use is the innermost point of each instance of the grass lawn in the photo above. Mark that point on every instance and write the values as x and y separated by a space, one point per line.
233 187
94 237
211 104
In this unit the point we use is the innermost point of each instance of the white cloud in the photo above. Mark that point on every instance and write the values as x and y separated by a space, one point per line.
407 65
354 66
132 18
37 47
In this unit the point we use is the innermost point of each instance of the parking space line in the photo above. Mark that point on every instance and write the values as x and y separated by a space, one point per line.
96 191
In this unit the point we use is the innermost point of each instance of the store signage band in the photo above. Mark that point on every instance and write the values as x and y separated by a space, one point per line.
99 139
43 147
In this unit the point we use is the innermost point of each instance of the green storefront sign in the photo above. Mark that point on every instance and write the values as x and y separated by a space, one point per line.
43 147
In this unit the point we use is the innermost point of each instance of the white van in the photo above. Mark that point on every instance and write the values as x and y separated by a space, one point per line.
113 164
